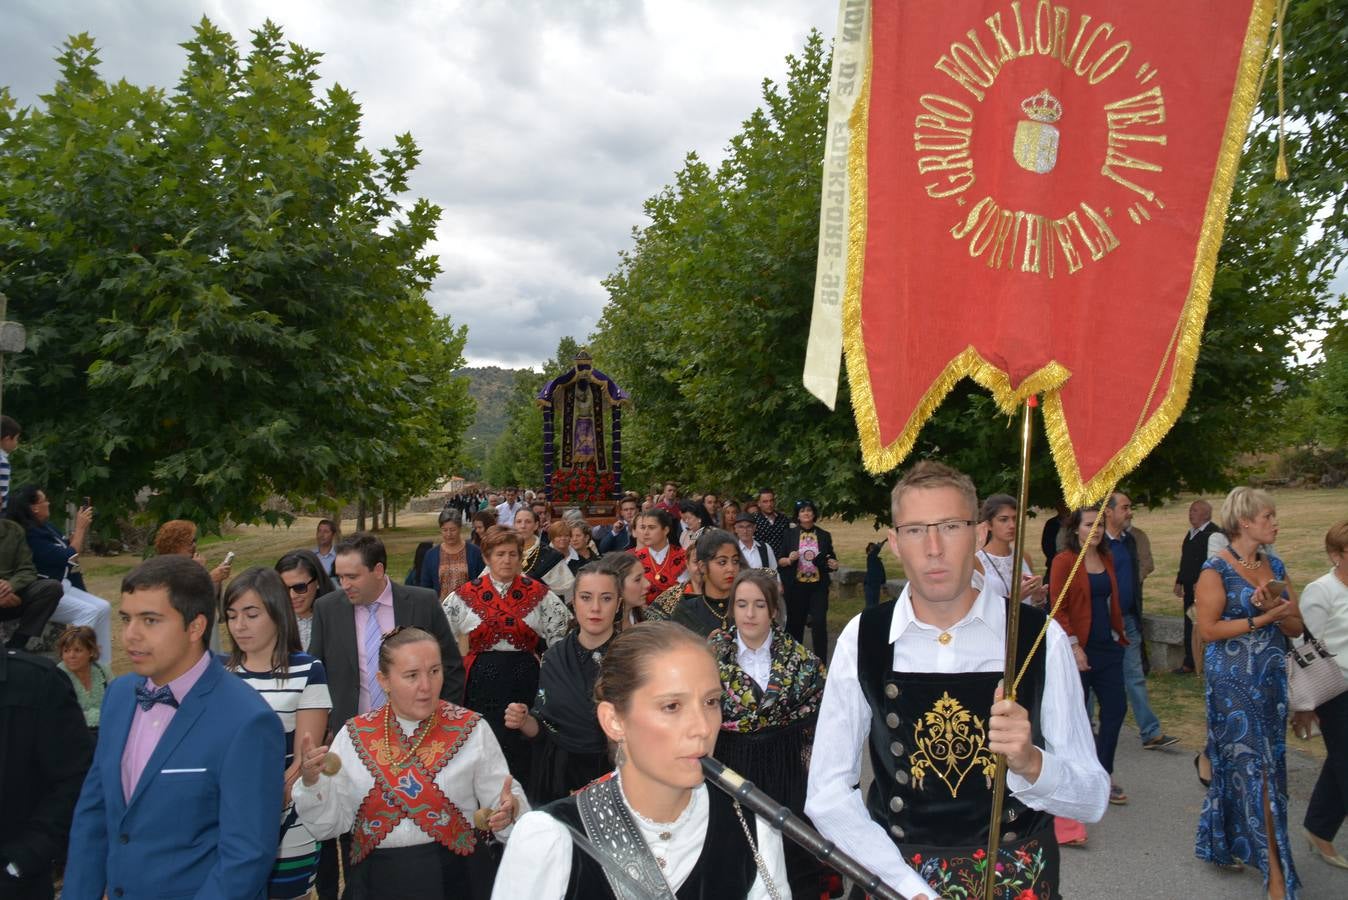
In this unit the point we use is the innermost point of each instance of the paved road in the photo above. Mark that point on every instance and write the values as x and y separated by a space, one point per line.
1146 849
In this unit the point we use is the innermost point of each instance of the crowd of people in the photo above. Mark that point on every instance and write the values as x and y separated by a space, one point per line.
524 713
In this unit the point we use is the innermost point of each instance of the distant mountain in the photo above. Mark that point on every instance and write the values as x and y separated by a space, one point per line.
491 387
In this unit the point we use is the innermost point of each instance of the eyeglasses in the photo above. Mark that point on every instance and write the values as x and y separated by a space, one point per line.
913 532
301 587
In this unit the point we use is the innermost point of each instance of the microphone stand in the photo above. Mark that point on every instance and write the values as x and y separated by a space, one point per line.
789 824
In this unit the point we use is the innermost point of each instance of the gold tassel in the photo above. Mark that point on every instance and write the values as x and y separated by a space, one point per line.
1280 169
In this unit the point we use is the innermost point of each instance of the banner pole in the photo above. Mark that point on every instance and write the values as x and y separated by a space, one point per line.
1012 642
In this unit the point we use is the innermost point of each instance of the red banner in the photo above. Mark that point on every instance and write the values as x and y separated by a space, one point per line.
1035 197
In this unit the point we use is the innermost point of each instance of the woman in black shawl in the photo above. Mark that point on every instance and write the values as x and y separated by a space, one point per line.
569 748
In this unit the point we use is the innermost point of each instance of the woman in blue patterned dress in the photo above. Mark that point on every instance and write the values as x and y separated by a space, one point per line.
1245 621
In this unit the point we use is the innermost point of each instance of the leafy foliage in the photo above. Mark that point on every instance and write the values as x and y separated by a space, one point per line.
709 311
225 296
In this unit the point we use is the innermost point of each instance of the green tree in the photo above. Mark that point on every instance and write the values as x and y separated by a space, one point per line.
709 311
225 296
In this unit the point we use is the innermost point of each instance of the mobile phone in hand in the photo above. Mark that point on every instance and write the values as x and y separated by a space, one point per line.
229 558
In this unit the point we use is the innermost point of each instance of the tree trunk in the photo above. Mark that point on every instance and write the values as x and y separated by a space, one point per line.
360 513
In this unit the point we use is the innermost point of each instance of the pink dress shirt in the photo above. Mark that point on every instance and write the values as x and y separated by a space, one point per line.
149 725
382 609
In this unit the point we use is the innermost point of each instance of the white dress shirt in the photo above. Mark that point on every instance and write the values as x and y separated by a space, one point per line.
537 861
755 559
472 780
505 513
757 664
1071 781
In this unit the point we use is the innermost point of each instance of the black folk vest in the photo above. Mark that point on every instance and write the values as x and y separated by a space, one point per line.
725 869
932 790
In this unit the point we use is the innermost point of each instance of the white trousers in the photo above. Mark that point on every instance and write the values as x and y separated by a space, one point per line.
79 607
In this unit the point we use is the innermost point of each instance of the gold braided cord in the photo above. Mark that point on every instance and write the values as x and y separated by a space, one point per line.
1280 169
1182 354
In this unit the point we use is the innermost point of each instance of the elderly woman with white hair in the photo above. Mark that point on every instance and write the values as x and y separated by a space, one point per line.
1246 613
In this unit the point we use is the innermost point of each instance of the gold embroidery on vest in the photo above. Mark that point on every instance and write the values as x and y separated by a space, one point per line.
949 741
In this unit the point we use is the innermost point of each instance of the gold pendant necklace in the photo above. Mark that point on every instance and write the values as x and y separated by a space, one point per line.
1251 566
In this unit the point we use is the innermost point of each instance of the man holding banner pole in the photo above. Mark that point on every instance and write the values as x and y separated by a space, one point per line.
917 682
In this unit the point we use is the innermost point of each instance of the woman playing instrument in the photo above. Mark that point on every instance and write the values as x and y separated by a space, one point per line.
707 608
503 621
418 783
654 820
570 749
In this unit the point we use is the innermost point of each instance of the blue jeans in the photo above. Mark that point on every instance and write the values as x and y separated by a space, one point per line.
1135 683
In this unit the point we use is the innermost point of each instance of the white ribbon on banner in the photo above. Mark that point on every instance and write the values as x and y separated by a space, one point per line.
823 353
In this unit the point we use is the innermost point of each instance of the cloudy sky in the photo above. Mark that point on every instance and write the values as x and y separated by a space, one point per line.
543 125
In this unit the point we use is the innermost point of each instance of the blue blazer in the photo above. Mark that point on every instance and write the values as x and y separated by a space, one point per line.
430 567
205 818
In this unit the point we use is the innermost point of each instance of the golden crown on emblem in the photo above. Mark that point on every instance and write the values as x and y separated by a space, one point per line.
1042 107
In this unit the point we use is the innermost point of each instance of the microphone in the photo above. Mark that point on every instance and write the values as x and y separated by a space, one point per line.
791 825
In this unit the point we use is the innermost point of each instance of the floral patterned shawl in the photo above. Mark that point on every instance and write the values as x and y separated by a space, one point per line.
795 684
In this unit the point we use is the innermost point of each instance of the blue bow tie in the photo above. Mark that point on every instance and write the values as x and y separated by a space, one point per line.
148 698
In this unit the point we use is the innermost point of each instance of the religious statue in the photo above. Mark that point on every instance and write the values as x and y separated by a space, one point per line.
582 423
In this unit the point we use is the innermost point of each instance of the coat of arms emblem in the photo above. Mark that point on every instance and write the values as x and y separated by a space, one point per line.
1036 145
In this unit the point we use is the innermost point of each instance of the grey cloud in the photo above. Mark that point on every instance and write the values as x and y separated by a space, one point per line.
543 125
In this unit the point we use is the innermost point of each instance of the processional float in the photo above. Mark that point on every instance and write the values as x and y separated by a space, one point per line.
1031 195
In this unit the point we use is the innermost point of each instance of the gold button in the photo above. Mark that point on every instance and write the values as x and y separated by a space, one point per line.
892 720
944 638
896 804
891 691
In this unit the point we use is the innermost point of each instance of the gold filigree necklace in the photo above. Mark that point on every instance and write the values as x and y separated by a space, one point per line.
393 738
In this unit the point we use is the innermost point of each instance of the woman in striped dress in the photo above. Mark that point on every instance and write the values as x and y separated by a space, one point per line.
267 655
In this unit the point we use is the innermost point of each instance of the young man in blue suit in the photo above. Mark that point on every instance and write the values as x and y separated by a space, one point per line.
184 795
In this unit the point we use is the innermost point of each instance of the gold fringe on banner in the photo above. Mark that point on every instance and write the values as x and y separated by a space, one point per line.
1181 353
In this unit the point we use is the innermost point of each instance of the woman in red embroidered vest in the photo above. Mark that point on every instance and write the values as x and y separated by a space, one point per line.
407 781
665 565
503 621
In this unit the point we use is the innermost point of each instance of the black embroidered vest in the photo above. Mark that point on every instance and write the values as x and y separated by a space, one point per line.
933 772
725 869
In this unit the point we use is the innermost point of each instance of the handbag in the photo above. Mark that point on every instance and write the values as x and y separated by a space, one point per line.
1313 677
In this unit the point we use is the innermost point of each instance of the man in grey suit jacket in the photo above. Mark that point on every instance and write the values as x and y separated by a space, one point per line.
346 640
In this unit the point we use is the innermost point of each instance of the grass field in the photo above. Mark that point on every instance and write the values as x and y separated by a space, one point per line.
1303 515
